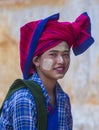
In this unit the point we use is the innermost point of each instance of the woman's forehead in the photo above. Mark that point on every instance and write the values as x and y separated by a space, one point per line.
63 46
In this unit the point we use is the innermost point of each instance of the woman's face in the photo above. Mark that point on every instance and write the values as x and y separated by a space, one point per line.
54 63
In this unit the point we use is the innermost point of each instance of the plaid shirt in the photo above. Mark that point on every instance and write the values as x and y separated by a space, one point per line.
19 112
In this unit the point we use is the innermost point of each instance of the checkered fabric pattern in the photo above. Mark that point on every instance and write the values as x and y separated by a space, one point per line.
19 112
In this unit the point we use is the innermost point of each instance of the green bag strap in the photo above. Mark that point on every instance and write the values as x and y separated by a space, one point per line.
38 96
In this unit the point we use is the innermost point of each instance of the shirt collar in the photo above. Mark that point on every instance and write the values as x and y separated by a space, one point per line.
58 90
35 77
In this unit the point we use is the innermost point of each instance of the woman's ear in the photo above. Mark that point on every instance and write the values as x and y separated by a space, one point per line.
36 61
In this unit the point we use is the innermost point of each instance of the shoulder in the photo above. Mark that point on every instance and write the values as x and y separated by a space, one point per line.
20 106
62 94
21 97
19 92
22 94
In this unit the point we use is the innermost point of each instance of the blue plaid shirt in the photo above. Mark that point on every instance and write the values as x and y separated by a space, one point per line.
19 112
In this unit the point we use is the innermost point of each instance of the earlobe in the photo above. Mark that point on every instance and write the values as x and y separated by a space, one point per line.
36 61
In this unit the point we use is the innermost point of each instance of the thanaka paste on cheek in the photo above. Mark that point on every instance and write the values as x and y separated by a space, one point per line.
47 64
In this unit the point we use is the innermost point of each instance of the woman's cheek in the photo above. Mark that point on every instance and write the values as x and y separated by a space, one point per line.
47 64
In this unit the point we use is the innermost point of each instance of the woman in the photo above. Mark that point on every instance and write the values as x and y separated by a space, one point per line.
44 58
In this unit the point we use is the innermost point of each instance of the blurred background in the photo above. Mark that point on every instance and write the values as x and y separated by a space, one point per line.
81 81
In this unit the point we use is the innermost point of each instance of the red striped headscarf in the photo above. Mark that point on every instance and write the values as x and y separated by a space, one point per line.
39 36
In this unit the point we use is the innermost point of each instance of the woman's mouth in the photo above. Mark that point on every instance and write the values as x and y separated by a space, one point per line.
60 69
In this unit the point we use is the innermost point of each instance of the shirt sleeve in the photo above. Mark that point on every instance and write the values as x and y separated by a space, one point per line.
24 111
69 115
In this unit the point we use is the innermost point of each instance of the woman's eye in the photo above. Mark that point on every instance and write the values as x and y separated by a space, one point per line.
53 54
66 54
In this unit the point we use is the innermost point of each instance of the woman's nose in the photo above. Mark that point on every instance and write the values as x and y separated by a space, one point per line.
60 59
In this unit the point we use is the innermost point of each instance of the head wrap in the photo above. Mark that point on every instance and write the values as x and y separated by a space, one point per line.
41 35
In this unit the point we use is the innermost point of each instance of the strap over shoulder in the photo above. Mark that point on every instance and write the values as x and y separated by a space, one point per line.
38 96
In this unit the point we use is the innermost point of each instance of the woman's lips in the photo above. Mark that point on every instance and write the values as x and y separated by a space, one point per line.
59 69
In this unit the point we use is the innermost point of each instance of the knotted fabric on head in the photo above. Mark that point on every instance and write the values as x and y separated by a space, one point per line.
42 35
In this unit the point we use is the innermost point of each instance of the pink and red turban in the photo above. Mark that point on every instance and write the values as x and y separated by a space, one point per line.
39 36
